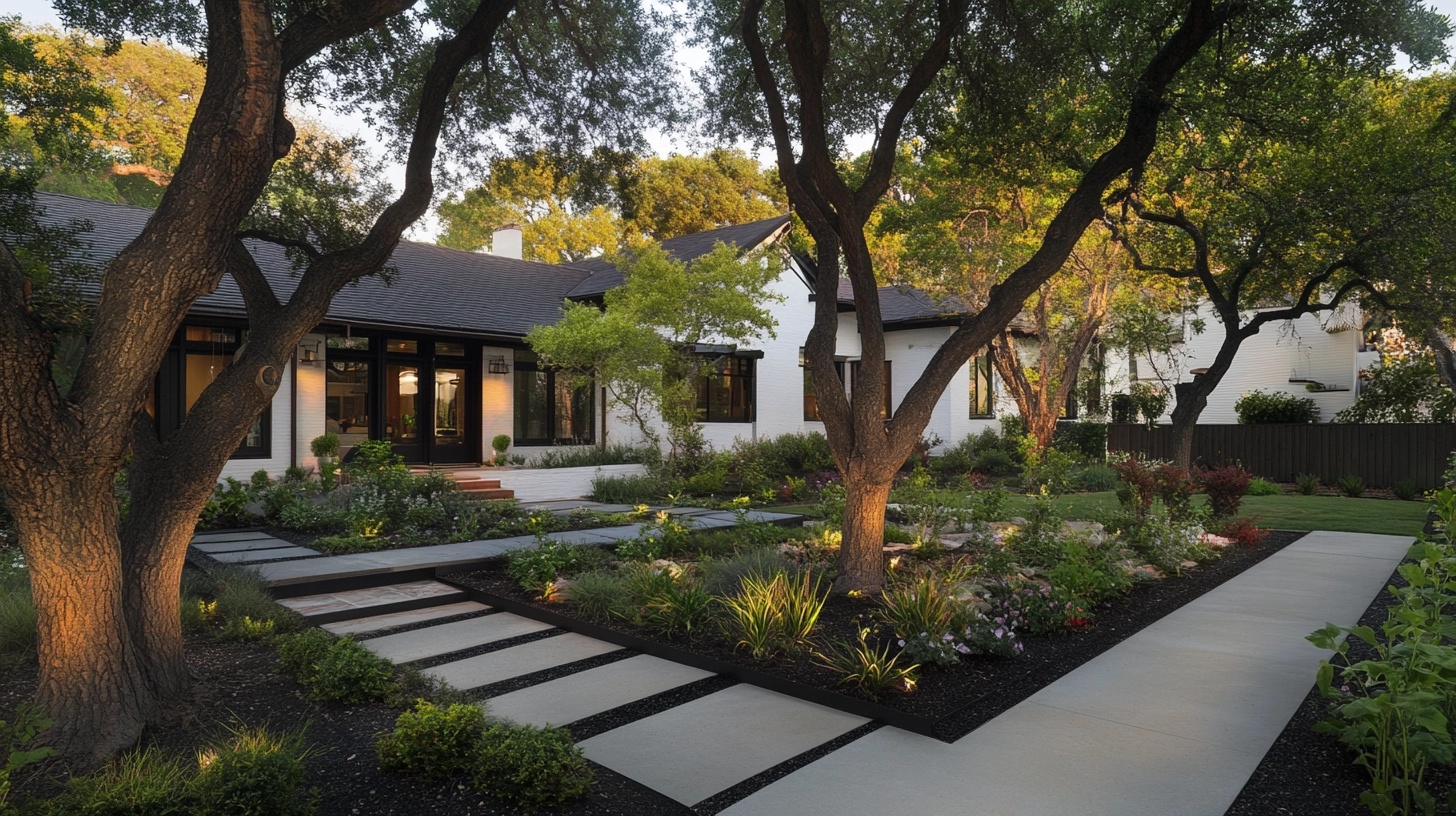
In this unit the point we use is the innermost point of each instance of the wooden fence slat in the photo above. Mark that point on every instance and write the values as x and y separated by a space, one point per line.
1382 454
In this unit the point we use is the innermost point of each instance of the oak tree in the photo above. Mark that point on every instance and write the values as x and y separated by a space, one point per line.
806 76
468 76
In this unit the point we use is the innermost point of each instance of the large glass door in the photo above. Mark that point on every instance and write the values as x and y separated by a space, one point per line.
402 418
451 428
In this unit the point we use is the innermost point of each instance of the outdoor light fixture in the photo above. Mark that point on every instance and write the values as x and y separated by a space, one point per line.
308 352
496 364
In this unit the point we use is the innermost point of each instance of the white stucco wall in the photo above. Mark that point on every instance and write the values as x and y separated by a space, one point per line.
1310 348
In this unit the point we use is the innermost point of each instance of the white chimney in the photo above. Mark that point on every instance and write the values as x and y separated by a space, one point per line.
507 242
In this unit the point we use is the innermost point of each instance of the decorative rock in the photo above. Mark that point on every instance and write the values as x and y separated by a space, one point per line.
1188 564
952 543
662 565
1217 541
898 548
1017 521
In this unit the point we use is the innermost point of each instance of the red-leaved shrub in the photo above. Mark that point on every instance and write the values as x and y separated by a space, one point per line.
1244 532
1225 487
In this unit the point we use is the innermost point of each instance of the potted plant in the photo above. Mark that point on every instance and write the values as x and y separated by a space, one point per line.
326 448
499 444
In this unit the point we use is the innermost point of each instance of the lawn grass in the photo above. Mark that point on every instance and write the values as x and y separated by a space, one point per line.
1288 512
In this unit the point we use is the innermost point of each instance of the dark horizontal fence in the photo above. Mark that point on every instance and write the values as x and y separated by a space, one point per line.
1381 454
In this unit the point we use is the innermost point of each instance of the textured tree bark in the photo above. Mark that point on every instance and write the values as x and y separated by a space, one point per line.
862 568
1445 358
92 682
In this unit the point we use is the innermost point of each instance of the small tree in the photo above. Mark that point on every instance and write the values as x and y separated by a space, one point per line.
642 344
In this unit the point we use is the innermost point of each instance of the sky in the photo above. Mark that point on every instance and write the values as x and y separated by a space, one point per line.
40 12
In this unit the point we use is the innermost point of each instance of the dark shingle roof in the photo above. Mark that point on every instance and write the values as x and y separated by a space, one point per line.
436 288
684 248
907 307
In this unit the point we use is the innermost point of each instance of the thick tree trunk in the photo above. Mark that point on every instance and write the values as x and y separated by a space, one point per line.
861 557
1445 359
92 682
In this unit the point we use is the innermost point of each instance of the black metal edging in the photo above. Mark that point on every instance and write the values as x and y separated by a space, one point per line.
840 702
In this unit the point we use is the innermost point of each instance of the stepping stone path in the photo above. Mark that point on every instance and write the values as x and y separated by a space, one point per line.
689 751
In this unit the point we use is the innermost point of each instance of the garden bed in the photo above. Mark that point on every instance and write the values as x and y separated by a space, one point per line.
238 684
947 702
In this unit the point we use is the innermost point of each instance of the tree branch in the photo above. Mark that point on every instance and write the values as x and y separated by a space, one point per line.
287 243
258 297
330 24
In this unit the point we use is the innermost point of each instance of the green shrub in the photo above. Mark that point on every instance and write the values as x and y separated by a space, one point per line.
1047 470
996 462
326 445
432 742
1263 487
724 576
1093 478
1307 483
1269 408
349 673
537 569
1352 486
600 595
228 506
306 517
534 767
873 671
299 654
678 606
1405 490
500 443
773 614
346 544
254 773
244 628
593 456
1086 441
412 683
241 593
921 603
629 489
139 783
374 457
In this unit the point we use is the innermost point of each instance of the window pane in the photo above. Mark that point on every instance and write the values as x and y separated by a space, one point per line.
449 404
444 349
339 341
981 396
209 334
532 405
202 369
346 402
402 393
403 346
573 421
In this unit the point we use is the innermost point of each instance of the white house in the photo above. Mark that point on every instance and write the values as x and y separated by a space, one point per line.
436 361
1317 356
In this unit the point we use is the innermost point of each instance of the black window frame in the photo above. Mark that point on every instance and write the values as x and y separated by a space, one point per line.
744 381
810 396
528 364
888 409
171 385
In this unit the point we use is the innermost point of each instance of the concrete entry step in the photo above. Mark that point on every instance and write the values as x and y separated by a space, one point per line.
710 744
581 695
375 623
236 535
444 638
538 655
353 603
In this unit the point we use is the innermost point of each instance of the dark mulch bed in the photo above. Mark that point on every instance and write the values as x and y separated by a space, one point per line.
962 698
1305 772
239 683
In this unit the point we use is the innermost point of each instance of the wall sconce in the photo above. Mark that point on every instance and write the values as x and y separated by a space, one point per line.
308 352
496 364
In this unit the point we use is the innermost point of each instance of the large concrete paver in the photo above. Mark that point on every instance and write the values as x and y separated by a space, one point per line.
1171 722
241 545
249 556
444 638
538 655
374 623
576 696
244 535
700 748
364 599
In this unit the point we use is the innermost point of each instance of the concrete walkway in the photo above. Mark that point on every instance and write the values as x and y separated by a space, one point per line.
1172 721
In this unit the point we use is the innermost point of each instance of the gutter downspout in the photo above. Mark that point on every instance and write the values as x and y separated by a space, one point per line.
293 413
